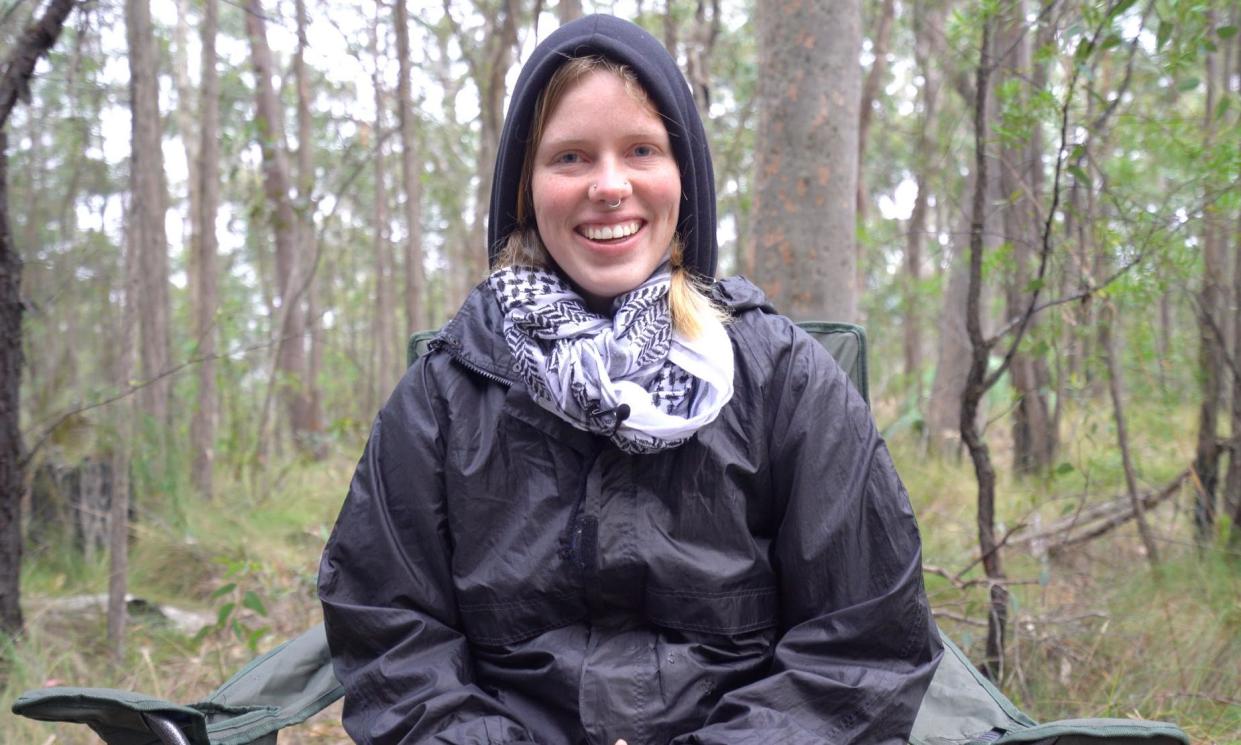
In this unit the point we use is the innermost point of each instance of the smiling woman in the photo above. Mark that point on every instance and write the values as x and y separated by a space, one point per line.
620 500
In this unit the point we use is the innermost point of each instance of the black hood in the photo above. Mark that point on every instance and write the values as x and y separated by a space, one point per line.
620 41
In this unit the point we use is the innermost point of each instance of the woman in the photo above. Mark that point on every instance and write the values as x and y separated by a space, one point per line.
618 500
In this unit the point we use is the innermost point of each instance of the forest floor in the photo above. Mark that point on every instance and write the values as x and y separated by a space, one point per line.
1094 631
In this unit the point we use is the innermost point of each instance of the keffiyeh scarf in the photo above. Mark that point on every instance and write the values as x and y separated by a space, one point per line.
630 377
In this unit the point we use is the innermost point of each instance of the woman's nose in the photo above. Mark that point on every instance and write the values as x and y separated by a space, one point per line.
610 185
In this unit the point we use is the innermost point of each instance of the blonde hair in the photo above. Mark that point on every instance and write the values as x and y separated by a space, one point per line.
690 306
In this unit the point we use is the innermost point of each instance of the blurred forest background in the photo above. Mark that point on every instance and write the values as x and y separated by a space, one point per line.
224 219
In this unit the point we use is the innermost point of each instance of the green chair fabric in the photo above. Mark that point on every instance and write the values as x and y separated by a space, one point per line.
294 681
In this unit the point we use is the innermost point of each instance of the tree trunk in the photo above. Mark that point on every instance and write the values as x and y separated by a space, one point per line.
927 26
805 187
870 91
16 72
411 172
703 35
290 322
381 334
1211 358
566 10
1020 179
976 380
206 414
1107 339
308 245
149 202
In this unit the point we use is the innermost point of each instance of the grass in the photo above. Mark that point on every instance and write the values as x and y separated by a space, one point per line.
1094 631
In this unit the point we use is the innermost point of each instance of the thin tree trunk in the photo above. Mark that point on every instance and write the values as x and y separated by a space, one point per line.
148 205
1211 359
975 388
290 323
870 91
307 244
566 10
926 24
118 513
411 172
15 76
1020 181
381 336
1107 340
206 414
805 186
703 35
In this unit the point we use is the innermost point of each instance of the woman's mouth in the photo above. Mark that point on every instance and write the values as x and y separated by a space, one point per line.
605 233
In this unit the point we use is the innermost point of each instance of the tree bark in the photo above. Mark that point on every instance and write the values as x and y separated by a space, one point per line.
411 172
15 76
566 10
1211 358
805 187
976 380
1107 340
206 413
382 336
927 24
870 91
1020 181
149 203
308 245
290 321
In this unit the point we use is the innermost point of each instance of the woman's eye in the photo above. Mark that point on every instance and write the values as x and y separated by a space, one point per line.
568 158
644 151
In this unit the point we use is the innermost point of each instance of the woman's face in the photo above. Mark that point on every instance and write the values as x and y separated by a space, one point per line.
606 188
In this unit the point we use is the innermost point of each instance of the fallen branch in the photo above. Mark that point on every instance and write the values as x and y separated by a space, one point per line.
1094 521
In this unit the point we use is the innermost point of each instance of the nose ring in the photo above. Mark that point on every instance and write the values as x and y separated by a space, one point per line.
613 205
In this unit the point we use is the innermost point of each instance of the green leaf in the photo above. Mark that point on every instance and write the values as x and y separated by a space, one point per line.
225 611
224 590
1120 7
253 602
1079 173
1226 32
1035 284
1112 41
1188 84
1078 152
1063 468
1162 35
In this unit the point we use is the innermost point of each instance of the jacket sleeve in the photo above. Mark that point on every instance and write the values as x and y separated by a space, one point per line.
386 587
858 645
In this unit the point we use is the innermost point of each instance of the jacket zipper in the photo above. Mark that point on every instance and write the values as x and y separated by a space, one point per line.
454 350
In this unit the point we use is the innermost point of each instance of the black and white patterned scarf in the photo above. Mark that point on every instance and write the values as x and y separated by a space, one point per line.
630 377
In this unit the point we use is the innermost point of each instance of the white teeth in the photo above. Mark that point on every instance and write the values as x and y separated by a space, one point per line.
608 232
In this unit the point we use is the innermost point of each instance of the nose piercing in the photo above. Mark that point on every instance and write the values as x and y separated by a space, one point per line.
613 205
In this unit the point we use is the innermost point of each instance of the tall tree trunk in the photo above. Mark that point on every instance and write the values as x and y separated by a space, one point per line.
703 34
1107 339
805 187
1020 180
206 410
1211 358
489 75
290 322
149 203
927 23
411 172
870 92
118 512
307 243
976 380
381 334
566 10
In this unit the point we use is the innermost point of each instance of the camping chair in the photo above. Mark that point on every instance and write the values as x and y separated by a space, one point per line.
295 680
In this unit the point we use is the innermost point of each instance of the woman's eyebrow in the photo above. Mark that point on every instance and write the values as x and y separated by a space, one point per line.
638 133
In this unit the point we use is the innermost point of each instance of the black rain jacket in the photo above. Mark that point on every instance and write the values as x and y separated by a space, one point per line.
497 576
